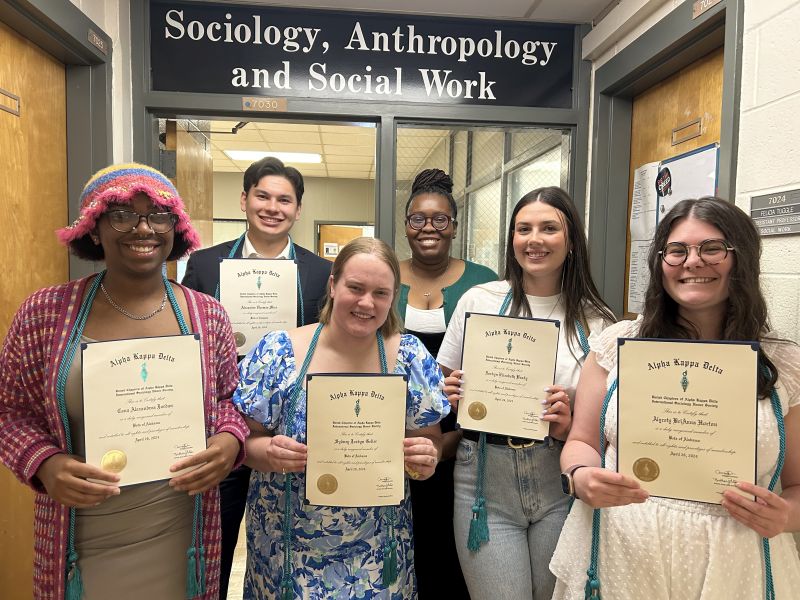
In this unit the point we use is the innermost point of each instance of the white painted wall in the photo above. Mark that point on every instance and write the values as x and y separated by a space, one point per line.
323 200
769 141
769 130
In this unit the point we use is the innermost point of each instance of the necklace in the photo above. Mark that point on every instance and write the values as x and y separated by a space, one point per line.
129 314
414 273
552 310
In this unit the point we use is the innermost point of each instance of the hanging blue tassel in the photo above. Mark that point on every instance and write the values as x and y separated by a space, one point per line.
74 589
478 526
287 591
192 588
389 569
592 589
201 569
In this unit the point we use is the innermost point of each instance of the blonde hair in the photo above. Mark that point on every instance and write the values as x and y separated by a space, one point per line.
378 248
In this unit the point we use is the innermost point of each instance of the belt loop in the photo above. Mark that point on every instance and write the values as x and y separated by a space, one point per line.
550 443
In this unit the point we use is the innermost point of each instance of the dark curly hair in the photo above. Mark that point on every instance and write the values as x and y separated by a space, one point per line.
746 316
433 181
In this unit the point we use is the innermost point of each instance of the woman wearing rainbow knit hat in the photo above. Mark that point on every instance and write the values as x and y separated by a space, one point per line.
92 537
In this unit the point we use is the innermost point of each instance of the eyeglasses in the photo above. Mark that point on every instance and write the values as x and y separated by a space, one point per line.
711 252
440 221
125 221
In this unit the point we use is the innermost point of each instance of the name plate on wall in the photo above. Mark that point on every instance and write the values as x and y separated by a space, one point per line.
280 52
777 213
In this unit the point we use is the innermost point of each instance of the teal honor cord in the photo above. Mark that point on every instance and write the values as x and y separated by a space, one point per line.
195 577
389 571
592 589
479 525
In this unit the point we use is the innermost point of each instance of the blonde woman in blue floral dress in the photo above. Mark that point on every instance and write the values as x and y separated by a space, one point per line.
330 552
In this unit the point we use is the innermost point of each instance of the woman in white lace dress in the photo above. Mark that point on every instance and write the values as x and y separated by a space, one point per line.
704 285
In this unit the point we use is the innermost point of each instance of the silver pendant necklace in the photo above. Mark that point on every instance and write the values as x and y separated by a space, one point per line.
129 314
427 295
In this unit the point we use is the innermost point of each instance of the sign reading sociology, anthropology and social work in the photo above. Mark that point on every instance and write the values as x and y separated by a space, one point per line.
280 52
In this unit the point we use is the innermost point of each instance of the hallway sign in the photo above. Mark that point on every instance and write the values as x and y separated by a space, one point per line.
280 52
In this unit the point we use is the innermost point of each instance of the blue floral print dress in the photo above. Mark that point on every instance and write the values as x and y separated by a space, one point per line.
337 552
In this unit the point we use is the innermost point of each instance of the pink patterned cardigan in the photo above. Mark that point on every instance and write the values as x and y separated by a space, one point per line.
31 430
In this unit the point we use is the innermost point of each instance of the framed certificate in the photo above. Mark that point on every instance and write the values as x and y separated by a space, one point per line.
142 405
260 295
355 429
507 363
687 416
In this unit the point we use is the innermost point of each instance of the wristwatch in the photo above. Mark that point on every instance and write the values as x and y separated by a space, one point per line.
568 481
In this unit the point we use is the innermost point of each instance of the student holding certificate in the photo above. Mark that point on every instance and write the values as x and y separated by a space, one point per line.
509 508
704 285
432 283
272 200
303 550
93 538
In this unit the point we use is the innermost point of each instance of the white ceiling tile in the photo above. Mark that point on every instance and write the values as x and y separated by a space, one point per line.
338 159
299 127
338 139
294 137
349 150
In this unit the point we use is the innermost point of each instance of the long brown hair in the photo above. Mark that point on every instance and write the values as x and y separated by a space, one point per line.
577 290
376 247
746 315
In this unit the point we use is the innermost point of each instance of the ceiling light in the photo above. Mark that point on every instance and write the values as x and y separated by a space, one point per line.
287 157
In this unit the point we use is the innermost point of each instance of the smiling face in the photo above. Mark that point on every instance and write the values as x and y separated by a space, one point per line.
696 286
138 252
362 296
429 244
271 208
540 247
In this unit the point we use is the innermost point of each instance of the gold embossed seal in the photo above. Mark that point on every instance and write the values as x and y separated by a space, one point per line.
239 338
114 461
327 484
477 410
646 469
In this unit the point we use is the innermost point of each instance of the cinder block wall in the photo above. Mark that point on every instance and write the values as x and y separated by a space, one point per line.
769 142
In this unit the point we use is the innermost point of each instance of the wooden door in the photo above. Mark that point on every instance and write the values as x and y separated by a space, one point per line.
693 93
33 187
194 176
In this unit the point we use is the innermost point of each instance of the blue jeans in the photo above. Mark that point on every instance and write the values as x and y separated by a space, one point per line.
526 510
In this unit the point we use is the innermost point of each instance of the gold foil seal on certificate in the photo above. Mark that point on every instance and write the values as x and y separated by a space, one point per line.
477 410
327 484
646 469
114 461
239 338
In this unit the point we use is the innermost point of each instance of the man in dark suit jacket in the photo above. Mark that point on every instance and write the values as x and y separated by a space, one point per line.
271 200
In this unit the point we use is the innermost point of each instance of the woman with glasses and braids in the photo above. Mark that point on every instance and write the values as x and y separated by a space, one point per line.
431 284
92 538
704 285
509 507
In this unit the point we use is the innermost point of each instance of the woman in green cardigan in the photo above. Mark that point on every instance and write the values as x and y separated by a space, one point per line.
431 284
